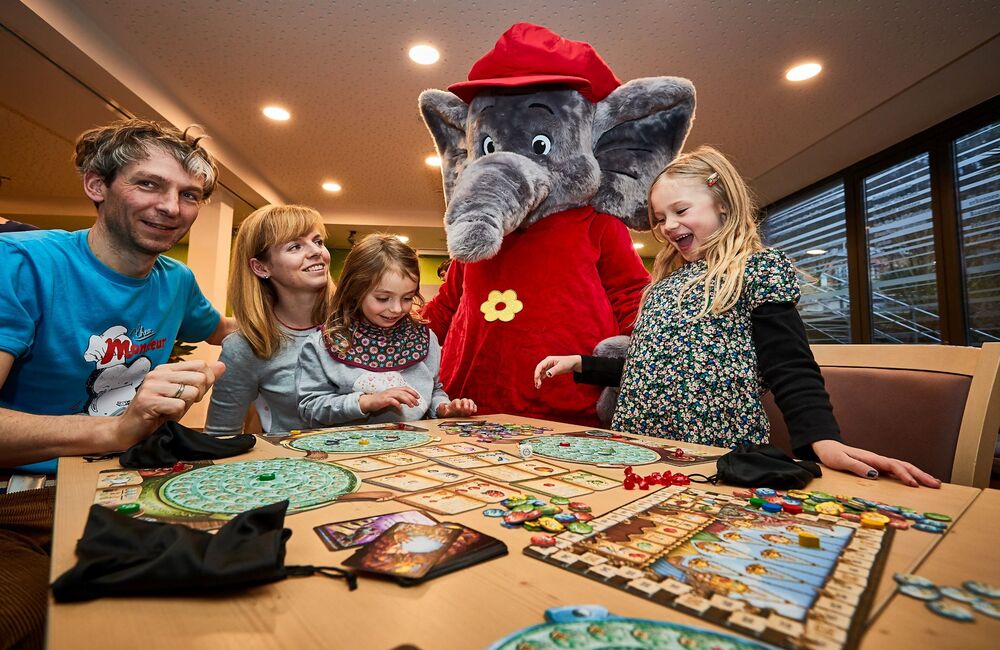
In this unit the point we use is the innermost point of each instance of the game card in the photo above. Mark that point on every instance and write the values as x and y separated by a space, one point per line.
443 502
505 473
405 481
464 462
400 458
485 491
590 481
118 478
539 468
553 487
358 532
464 447
405 550
364 464
443 474
433 451
497 457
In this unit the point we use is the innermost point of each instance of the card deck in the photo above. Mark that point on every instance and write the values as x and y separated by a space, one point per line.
358 532
404 551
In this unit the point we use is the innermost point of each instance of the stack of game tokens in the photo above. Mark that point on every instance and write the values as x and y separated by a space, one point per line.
870 514
633 480
533 514
490 431
951 602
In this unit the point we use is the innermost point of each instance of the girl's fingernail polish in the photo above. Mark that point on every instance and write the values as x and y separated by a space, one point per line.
872 473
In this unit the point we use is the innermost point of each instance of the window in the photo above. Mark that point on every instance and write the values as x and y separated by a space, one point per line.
812 231
977 161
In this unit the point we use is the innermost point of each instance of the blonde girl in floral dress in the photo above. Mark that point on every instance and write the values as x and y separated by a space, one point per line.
719 326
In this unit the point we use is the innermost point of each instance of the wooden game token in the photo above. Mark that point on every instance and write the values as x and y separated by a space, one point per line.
565 518
524 507
742 494
550 510
364 441
791 508
551 525
899 524
756 502
851 516
798 494
564 444
558 501
820 497
951 610
269 476
982 589
513 502
770 507
543 540
578 506
829 508
961 595
928 529
128 508
986 607
531 526
912 579
494 512
764 492
515 518
920 593
808 540
580 528
584 516
874 520
937 516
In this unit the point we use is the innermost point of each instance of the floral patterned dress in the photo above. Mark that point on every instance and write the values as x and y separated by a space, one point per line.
697 380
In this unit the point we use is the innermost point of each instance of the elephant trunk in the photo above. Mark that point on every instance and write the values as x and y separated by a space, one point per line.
492 197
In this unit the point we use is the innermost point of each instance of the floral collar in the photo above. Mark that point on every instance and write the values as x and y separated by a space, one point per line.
376 348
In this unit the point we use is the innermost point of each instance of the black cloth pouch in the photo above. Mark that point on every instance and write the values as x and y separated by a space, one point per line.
122 556
765 466
173 442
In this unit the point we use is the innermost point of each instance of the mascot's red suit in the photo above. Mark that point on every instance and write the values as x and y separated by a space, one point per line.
547 158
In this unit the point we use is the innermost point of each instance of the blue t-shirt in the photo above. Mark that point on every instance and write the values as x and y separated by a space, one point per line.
84 336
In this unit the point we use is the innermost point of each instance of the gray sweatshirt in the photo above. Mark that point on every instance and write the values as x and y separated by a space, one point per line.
329 391
248 378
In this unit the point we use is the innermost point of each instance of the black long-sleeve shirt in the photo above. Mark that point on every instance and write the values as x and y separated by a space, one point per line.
786 364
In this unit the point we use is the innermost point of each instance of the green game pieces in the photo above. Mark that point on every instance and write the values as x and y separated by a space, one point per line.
128 508
267 476
937 516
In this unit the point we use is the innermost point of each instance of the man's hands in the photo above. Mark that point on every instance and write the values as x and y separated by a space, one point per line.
166 393
394 397
552 366
867 464
457 408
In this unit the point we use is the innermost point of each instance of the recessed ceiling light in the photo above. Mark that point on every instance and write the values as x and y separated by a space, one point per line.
403 238
816 251
276 113
803 72
433 161
330 186
424 54
637 245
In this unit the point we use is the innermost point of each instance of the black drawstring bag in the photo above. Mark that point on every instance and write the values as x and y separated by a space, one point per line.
764 466
174 442
122 556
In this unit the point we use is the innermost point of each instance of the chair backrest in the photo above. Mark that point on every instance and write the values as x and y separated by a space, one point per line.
935 406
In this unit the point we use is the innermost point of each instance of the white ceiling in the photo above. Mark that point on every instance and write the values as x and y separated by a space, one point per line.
891 70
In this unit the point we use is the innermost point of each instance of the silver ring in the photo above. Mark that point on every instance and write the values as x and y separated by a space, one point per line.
180 391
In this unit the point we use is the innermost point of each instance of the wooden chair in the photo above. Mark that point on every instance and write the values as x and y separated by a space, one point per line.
935 406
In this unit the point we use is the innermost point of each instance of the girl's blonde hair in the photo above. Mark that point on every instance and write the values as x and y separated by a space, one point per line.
253 298
366 264
726 251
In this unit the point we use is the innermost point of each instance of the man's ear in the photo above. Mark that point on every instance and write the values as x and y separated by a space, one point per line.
94 187
445 116
259 268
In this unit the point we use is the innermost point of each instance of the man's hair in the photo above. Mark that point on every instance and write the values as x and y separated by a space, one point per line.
106 149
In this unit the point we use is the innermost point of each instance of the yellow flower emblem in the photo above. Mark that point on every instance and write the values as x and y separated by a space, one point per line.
501 305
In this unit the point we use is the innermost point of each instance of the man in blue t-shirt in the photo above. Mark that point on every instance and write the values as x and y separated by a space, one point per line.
90 317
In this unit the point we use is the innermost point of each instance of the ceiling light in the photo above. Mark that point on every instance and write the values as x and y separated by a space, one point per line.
276 113
637 245
803 72
403 238
816 251
424 54
330 186
433 161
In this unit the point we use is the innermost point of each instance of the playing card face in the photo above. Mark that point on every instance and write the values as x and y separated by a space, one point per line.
400 458
118 478
364 464
540 468
505 473
442 501
443 474
433 451
463 462
484 491
405 482
464 447
553 487
405 550
497 457
358 532
589 480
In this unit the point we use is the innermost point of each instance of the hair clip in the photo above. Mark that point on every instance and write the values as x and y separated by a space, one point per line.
713 179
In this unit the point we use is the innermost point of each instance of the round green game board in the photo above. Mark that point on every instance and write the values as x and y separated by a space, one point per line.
350 442
232 488
593 450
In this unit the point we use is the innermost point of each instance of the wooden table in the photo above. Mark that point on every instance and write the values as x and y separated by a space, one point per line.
473 607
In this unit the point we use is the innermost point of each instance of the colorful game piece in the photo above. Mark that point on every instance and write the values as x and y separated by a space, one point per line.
578 506
851 516
531 526
494 512
331 442
579 528
951 610
982 589
808 540
900 524
551 525
928 529
961 595
829 508
937 516
565 518
179 467
128 508
874 520
770 507
515 518
756 502
564 444
268 476
912 579
543 540
920 593
525 450
364 441
986 607
791 508
680 479
742 494
550 510
820 497
584 516
558 501
764 492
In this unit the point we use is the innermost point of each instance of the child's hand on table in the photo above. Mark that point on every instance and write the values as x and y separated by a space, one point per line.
457 408
394 397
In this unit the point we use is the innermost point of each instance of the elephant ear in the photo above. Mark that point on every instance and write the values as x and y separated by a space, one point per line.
445 114
638 129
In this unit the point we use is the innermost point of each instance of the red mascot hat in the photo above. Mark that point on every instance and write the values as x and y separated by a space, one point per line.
530 54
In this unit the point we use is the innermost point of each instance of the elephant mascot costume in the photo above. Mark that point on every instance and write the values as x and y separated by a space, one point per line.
547 158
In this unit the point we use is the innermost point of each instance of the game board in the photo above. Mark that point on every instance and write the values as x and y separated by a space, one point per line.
715 557
370 441
205 495
582 448
589 627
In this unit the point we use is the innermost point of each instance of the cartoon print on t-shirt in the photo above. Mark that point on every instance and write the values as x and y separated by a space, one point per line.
114 383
